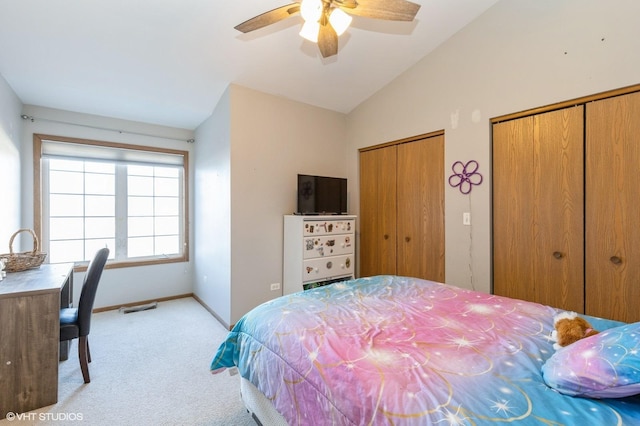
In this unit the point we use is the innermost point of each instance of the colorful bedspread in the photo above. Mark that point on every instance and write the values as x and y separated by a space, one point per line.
402 351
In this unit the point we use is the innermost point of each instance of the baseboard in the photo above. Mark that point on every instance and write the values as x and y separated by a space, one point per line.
212 312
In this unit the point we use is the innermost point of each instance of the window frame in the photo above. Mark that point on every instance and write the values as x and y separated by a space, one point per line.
112 263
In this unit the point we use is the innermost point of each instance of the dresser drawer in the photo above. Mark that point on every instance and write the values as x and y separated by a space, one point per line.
327 245
329 227
327 267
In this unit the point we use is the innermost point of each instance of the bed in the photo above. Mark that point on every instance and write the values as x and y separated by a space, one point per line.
390 350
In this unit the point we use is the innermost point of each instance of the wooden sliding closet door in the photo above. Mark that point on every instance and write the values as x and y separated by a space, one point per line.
613 208
378 211
421 209
402 208
538 245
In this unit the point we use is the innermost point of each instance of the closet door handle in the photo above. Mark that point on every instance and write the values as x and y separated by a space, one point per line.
615 260
558 255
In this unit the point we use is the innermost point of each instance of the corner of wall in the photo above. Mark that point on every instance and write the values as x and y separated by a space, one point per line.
10 161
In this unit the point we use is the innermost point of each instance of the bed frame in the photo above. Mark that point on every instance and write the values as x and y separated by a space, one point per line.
259 406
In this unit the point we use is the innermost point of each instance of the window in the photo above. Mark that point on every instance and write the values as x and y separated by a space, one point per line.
131 199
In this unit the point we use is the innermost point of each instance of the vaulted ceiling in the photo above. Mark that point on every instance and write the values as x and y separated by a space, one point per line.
168 61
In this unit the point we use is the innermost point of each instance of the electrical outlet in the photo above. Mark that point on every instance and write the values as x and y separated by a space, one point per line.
275 286
466 218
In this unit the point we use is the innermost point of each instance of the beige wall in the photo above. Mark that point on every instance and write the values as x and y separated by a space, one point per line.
518 55
273 139
270 141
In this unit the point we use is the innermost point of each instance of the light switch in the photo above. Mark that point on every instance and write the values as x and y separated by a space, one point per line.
466 218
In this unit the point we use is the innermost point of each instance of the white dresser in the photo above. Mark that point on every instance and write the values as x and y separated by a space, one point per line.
318 250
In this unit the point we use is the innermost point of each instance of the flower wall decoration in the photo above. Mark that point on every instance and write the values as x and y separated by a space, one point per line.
465 176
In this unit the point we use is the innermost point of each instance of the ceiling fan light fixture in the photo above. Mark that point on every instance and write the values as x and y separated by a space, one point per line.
326 20
311 10
310 30
340 21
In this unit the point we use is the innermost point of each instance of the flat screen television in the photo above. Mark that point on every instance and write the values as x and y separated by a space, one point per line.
321 195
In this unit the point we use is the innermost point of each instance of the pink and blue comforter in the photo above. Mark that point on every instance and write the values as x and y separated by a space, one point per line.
393 350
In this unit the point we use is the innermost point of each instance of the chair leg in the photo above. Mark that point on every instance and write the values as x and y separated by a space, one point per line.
83 352
88 351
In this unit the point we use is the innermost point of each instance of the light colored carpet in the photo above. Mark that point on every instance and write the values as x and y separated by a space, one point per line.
148 368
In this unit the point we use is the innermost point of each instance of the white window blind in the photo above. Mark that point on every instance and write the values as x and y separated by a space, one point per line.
58 149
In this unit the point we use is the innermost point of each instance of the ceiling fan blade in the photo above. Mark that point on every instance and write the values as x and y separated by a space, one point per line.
268 18
327 40
390 10
349 4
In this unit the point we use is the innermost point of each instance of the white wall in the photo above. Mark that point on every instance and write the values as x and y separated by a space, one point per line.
10 137
212 216
519 55
271 140
122 285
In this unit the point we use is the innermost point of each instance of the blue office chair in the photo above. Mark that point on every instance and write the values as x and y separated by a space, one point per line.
76 322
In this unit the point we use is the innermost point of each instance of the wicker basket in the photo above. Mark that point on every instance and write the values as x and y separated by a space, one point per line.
16 262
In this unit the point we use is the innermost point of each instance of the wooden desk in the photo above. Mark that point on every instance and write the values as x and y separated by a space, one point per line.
30 303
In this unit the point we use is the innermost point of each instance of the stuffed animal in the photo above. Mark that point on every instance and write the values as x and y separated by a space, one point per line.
569 328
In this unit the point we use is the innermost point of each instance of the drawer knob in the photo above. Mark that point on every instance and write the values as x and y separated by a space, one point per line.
386 236
407 239
615 260
558 255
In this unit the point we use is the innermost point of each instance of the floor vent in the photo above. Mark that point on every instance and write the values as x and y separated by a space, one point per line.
139 308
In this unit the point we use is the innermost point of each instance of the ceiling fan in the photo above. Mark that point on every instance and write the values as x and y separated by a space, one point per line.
325 20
